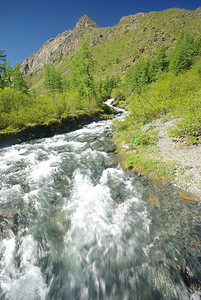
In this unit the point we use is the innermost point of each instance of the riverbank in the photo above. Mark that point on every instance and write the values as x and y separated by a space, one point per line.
48 129
151 152
186 158
172 170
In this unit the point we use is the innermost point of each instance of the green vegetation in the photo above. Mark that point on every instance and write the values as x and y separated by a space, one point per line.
117 48
20 108
105 87
81 74
165 86
52 80
139 150
147 62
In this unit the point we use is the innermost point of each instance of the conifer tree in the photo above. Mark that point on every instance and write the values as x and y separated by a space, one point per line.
82 68
2 67
181 57
52 79
18 81
6 75
2 61
162 59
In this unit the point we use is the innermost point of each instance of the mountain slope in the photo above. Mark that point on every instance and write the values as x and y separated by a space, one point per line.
114 48
55 48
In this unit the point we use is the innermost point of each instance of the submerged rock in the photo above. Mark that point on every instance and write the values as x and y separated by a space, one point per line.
7 222
59 224
154 201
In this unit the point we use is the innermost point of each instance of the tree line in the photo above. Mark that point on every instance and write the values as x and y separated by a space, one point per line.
150 69
11 77
80 92
20 106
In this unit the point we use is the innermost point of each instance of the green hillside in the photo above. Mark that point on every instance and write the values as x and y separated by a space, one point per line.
122 61
118 47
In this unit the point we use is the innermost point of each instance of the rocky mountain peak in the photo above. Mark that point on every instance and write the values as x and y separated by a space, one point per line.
198 11
85 22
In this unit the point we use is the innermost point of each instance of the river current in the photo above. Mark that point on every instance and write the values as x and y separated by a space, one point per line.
75 224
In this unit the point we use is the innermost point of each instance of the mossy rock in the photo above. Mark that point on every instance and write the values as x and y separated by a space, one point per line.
59 224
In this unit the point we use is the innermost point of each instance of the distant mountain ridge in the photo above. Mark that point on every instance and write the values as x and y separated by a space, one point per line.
55 48
114 48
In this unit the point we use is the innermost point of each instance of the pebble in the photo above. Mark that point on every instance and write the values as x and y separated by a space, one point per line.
154 201
126 146
146 127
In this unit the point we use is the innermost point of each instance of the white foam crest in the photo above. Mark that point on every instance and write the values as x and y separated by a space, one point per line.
89 209
27 251
8 157
112 173
10 154
30 285
89 154
44 169
8 192
123 112
91 222
31 158
57 143
77 145
101 227
26 280
7 248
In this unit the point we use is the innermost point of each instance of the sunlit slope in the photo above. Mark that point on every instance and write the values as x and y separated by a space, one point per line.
118 47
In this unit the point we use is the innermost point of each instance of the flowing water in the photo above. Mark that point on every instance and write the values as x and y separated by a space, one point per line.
75 225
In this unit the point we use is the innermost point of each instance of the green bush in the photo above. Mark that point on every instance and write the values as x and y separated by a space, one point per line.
142 138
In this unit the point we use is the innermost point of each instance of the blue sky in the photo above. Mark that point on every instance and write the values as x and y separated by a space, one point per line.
26 25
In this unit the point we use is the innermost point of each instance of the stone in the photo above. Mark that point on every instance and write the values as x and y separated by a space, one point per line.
55 48
85 22
198 11
59 224
186 196
126 146
160 256
154 201
135 151
169 124
172 232
193 268
111 148
146 127
166 183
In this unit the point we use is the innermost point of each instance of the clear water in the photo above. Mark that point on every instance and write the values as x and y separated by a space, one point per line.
77 226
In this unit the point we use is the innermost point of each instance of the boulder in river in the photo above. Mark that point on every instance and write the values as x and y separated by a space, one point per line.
154 201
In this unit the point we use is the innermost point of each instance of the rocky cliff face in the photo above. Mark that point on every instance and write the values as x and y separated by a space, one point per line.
55 48
198 11
114 48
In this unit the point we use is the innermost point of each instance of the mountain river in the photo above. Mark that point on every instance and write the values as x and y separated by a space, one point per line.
74 225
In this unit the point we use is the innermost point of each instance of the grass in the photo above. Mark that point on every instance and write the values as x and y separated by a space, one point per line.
181 98
118 47
143 163
144 146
